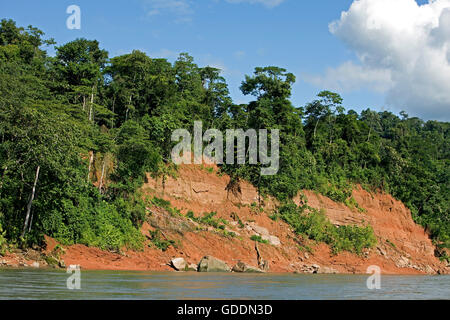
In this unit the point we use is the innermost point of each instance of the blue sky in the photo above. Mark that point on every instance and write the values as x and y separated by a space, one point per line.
234 35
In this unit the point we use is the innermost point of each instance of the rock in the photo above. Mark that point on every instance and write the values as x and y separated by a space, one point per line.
264 265
429 270
314 268
35 264
211 264
306 255
192 267
261 231
164 221
382 251
328 270
241 267
403 262
62 264
275 241
179 264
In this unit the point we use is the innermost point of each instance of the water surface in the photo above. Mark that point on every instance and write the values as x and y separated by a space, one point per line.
51 284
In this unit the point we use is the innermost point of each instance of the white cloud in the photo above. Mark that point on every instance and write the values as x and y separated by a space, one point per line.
403 50
267 3
349 76
164 54
181 9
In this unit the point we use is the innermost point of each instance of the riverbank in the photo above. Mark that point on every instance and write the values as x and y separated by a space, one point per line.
242 231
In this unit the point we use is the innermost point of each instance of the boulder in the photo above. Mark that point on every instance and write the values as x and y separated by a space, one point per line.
314 268
273 240
179 264
211 264
192 267
328 270
241 267
62 264
35 264
261 230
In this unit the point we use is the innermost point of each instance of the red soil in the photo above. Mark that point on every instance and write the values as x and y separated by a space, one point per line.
403 247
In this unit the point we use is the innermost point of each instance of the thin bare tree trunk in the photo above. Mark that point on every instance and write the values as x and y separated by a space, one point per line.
112 118
128 109
91 159
27 218
91 115
31 222
103 174
315 129
3 178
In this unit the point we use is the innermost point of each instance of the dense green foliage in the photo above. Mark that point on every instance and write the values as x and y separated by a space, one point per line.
315 225
86 128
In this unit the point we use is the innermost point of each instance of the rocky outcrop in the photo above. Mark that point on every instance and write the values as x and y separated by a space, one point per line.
179 264
403 247
192 267
264 234
211 264
241 267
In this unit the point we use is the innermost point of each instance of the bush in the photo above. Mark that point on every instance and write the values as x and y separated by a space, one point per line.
161 244
3 243
315 225
208 219
258 239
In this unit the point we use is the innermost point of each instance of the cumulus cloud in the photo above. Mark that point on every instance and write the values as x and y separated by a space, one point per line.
403 50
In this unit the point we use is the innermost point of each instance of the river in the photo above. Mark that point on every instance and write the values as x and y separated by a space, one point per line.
51 284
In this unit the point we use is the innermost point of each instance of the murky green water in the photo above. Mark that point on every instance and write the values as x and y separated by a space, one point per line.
49 284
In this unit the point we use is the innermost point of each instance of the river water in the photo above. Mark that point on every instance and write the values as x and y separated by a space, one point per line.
52 284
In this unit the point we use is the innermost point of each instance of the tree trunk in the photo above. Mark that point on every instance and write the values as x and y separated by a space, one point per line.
128 109
27 218
91 113
112 118
91 159
3 178
315 128
100 186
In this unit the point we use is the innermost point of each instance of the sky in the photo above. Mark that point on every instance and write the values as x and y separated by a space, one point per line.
381 54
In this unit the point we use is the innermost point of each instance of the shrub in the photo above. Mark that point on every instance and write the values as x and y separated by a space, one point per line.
208 219
258 239
161 244
315 225
3 243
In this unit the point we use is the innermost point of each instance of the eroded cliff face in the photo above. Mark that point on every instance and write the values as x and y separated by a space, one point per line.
403 247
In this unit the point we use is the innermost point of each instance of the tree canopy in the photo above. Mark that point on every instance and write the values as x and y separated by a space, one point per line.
80 130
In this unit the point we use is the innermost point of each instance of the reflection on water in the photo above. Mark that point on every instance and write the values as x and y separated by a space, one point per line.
49 284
